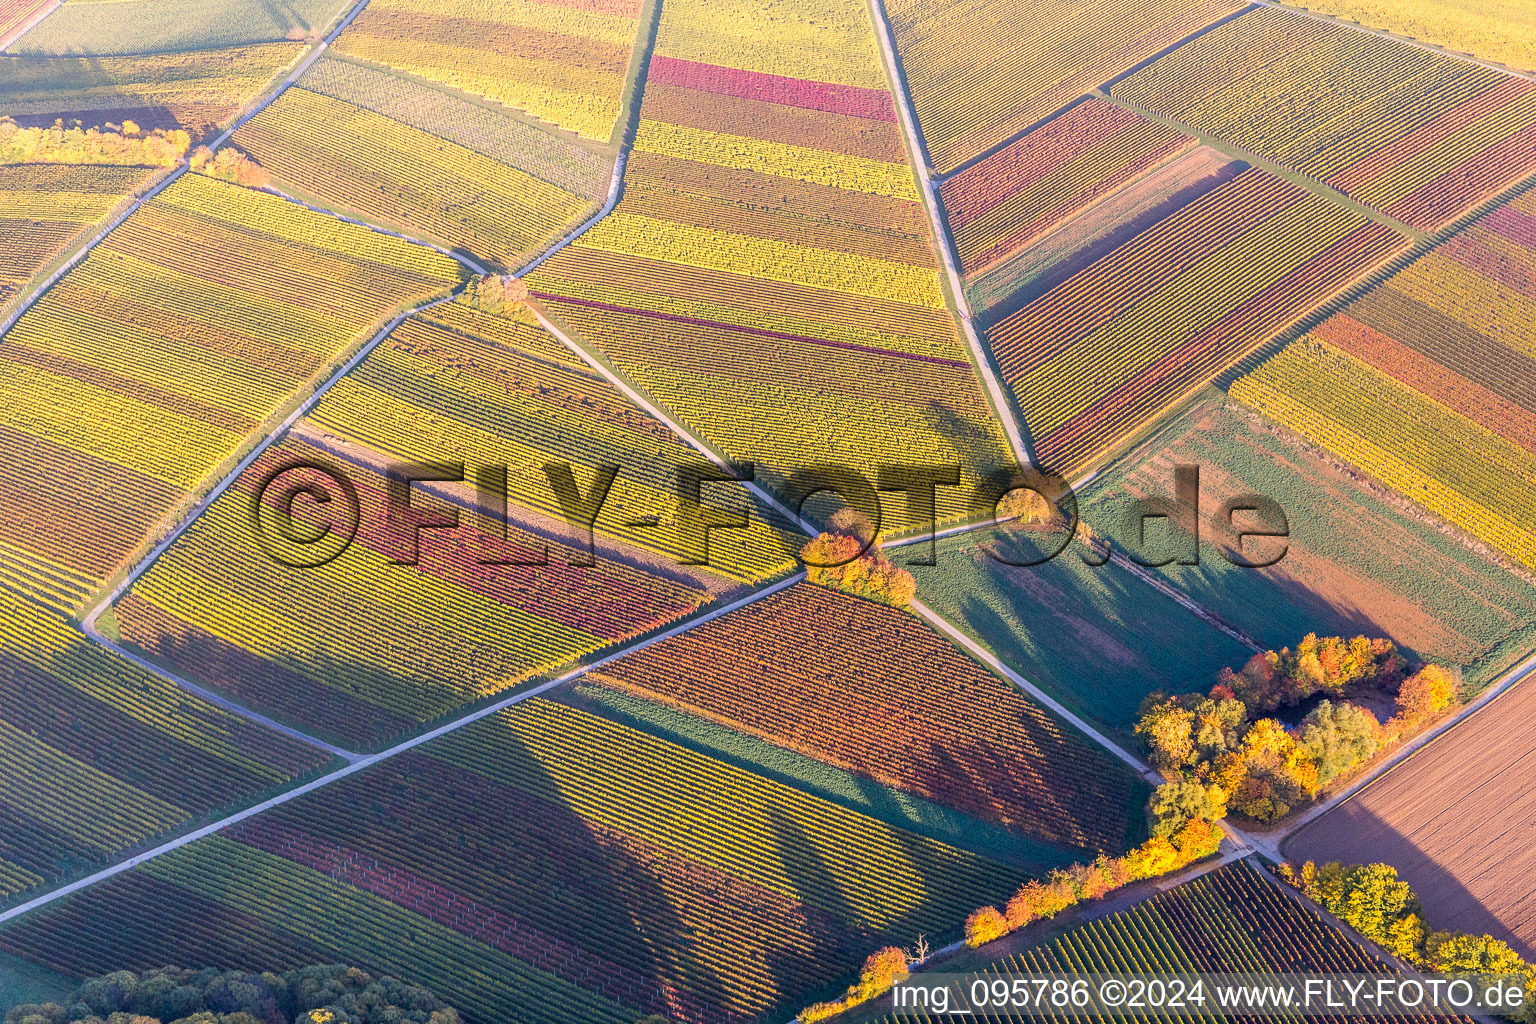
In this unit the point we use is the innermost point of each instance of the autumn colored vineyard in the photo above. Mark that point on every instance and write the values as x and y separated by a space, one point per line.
1099 355
548 156
980 77
366 163
451 382
927 720
194 90
15 13
1229 921
1419 136
562 63
1446 355
543 865
99 755
44 208
770 247
178 336
1000 205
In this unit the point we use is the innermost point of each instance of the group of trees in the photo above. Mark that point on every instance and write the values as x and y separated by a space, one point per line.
1371 899
229 164
494 293
119 145
326 994
1329 665
1218 757
834 560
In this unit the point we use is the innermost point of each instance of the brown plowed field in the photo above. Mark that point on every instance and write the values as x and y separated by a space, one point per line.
1458 821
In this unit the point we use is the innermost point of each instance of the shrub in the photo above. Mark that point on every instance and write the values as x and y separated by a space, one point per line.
835 560
984 925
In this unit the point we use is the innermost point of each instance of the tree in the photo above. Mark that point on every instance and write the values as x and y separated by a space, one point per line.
1175 804
1471 954
1167 726
1427 692
1337 737
984 925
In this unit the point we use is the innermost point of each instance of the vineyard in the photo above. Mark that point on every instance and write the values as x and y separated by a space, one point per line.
980 72
1099 355
927 720
387 171
15 13
450 383
44 208
1042 619
98 756
999 206
1229 921
1447 349
548 156
770 247
1417 135
1498 30
194 90
563 63
169 26
175 356
543 865
1353 555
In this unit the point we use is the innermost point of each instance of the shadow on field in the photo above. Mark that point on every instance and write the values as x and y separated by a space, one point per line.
1353 834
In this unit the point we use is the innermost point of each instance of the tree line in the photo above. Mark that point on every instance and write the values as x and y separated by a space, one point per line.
117 145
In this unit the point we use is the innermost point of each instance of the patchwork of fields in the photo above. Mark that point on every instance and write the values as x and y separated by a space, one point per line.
176 358
771 246
563 63
624 770
575 867
1441 360
459 384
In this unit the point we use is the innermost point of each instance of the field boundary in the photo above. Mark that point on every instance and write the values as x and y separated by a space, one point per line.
367 761
999 399
1491 65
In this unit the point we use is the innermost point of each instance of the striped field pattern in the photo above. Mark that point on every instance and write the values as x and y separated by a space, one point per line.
771 248
1103 353
1419 136
450 383
999 206
187 328
563 63
1428 382
544 865
982 71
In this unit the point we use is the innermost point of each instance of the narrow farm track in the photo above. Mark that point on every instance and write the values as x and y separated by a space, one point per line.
944 242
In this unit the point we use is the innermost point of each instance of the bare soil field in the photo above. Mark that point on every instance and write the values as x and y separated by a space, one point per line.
1457 820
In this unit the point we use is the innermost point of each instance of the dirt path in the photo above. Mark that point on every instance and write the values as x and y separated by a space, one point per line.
1001 406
